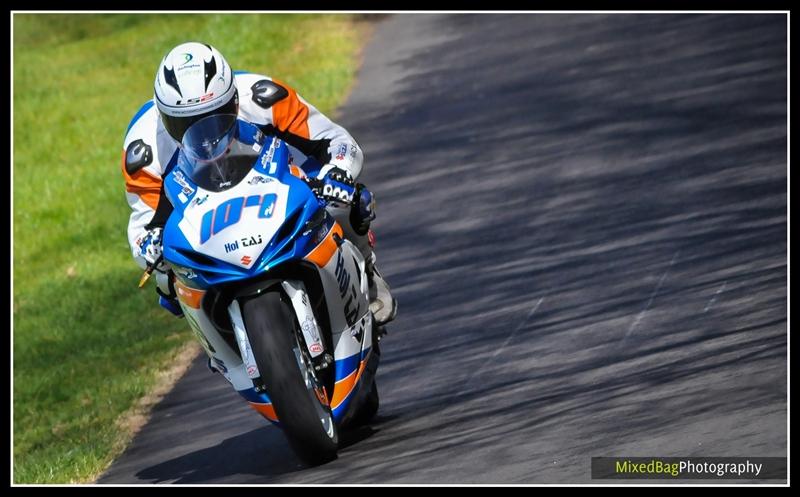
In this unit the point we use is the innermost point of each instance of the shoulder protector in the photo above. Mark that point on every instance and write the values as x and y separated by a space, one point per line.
138 155
266 93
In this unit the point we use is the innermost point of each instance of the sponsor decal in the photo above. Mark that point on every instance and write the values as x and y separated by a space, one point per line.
246 260
267 157
253 240
266 160
184 67
311 334
187 57
198 100
245 242
180 179
310 328
255 180
200 200
251 370
329 190
258 138
230 247
342 152
351 309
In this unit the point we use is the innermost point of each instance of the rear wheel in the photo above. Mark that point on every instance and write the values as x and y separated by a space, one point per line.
296 393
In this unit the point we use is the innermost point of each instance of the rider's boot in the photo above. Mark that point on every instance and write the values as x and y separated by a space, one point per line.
167 298
381 302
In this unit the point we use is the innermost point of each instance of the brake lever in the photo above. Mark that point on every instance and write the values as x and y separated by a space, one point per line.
149 271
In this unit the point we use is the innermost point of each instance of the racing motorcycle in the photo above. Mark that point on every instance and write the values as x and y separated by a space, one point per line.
274 293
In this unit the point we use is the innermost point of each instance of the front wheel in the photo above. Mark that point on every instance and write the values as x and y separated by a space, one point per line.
370 407
296 393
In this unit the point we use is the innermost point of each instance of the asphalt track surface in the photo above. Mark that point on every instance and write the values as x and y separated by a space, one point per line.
584 218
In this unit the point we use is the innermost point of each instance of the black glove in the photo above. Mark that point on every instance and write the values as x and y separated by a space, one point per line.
334 184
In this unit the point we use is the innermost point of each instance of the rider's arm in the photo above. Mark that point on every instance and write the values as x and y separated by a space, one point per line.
302 126
141 169
142 191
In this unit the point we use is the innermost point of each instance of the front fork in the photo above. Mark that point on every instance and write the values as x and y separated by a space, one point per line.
312 334
308 324
249 360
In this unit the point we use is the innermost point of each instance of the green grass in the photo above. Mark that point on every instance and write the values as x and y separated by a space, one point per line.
87 343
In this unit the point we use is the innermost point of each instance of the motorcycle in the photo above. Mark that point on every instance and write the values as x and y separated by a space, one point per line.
275 294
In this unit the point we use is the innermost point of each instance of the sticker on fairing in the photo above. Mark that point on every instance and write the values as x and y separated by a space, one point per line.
228 225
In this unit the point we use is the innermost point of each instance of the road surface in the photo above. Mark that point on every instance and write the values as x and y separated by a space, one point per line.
584 218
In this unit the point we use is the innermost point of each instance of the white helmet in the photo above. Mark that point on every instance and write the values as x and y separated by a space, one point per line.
192 82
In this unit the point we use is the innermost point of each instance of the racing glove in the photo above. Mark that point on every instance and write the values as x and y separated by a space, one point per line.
334 184
150 249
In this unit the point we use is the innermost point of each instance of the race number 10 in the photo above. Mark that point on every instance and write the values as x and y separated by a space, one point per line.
229 213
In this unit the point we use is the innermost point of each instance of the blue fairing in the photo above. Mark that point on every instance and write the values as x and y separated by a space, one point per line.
289 243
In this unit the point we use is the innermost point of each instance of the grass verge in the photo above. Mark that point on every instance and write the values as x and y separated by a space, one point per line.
87 344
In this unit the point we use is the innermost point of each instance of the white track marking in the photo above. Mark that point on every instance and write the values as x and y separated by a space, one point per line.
505 343
714 298
519 327
652 296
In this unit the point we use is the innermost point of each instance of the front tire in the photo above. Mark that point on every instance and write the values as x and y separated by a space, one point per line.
289 378
370 407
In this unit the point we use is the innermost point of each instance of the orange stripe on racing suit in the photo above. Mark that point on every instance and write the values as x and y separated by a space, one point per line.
143 184
290 114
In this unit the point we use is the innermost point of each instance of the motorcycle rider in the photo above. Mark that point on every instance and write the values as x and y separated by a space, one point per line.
194 81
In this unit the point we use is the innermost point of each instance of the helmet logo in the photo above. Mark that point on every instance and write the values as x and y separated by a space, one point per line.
187 57
190 101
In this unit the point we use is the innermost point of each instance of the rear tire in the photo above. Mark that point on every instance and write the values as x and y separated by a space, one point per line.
272 330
